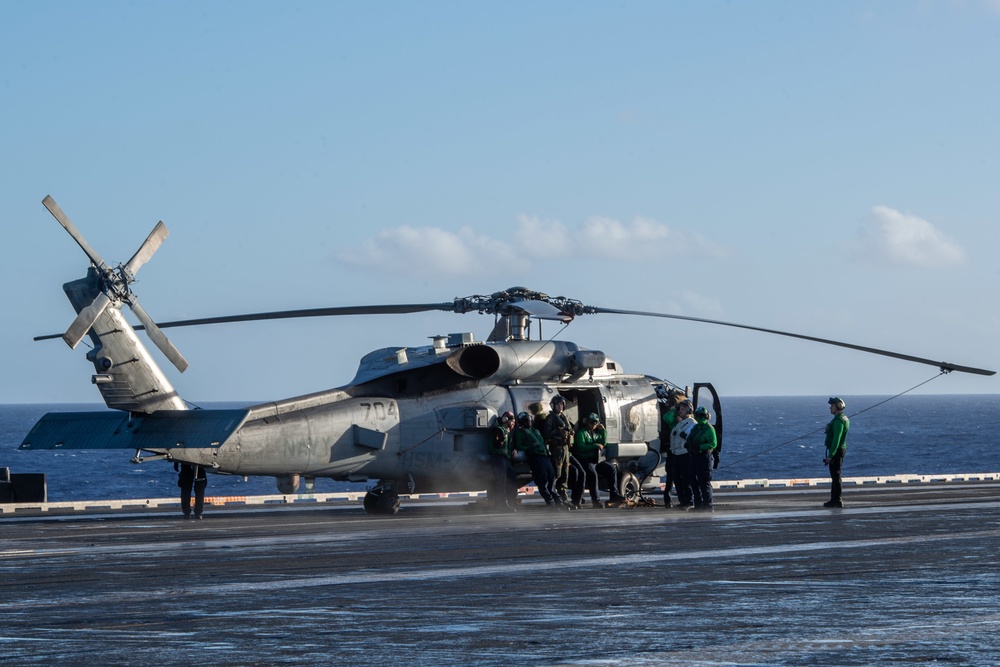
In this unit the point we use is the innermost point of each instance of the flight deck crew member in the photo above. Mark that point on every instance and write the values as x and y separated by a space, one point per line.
836 448
537 417
191 477
668 408
558 434
682 459
702 443
503 494
527 439
588 444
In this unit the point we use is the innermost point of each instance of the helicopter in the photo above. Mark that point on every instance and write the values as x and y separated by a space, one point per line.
412 420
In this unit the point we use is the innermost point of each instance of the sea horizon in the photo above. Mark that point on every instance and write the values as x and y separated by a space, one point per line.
764 437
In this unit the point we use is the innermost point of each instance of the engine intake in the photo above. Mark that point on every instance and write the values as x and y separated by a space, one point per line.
522 360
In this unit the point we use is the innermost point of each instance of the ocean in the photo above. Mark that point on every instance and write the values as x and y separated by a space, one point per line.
763 437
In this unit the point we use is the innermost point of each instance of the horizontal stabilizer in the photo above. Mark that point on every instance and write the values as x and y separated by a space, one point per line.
161 430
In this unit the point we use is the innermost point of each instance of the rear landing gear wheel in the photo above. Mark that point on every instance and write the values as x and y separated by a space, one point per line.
371 503
389 503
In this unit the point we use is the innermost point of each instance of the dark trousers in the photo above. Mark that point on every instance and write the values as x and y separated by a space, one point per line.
682 479
544 477
668 482
198 485
577 480
590 477
608 473
836 465
701 487
504 489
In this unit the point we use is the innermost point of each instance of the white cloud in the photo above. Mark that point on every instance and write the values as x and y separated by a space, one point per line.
906 240
545 238
621 240
608 238
432 252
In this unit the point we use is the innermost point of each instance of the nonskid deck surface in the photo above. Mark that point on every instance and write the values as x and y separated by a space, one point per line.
903 574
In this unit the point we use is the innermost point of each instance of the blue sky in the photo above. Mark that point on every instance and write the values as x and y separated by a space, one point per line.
828 168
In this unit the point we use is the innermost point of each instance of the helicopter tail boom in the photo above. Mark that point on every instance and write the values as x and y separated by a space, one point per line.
126 374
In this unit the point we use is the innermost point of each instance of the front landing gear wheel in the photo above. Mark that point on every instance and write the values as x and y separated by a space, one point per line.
381 502
630 488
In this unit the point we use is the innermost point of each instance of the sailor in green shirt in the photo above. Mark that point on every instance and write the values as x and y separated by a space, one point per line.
836 448
503 492
588 443
701 442
527 439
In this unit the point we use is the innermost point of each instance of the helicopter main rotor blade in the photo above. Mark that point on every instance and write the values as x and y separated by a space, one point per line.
81 325
399 309
158 337
542 310
148 247
943 365
58 214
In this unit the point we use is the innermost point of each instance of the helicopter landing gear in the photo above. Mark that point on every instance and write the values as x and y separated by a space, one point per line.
381 500
629 487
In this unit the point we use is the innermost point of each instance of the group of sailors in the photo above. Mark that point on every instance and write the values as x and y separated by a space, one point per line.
566 460
690 448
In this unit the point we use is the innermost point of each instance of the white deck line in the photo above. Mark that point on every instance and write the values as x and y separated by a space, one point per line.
357 496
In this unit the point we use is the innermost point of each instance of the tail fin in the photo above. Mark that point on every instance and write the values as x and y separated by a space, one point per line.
126 374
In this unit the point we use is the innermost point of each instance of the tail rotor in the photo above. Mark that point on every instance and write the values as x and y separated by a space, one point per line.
115 287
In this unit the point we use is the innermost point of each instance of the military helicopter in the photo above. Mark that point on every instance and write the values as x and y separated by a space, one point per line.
413 419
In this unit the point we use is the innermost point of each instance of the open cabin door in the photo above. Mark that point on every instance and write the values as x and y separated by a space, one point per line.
704 394
580 402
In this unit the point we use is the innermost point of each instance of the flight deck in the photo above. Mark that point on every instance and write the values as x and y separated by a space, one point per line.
905 574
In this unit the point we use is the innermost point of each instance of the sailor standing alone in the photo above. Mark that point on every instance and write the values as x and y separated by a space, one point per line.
836 448
191 477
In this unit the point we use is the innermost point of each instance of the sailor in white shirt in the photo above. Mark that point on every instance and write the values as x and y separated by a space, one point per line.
682 459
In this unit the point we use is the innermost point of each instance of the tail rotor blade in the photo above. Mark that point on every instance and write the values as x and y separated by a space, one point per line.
158 337
148 247
81 325
58 214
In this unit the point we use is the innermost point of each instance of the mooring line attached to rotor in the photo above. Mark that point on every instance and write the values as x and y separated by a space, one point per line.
872 407
806 435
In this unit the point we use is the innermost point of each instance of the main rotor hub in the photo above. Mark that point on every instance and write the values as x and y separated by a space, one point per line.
505 303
